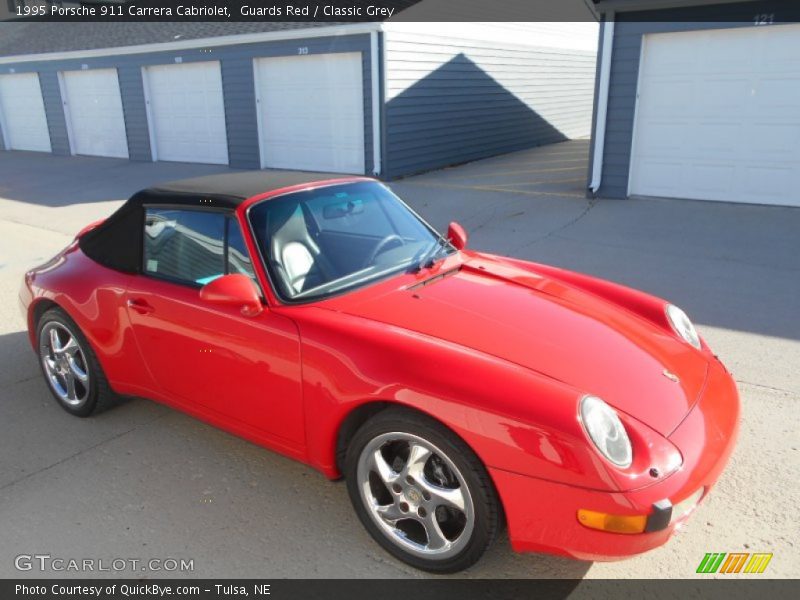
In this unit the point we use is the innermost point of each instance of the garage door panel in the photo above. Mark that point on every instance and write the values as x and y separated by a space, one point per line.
718 139
769 182
773 56
721 95
661 175
311 112
194 104
663 139
670 96
711 179
779 93
779 141
22 111
715 116
187 112
93 108
726 57
676 59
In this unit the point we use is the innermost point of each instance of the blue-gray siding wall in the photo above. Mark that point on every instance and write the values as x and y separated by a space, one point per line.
238 90
237 75
450 100
135 111
628 32
56 121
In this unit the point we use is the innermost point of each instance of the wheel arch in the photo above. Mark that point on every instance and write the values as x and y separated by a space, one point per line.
40 305
35 311
351 423
363 412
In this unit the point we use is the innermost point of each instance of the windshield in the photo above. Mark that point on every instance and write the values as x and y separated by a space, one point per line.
319 242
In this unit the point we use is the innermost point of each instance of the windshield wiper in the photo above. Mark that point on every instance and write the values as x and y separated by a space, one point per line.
427 260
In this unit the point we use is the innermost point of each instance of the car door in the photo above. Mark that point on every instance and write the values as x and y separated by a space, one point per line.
245 369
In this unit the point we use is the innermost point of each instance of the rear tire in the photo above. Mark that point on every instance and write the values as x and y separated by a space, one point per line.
421 492
70 367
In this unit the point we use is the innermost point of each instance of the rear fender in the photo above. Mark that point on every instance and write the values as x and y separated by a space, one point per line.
94 297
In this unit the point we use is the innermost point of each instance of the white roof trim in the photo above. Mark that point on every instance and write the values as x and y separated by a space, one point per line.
227 40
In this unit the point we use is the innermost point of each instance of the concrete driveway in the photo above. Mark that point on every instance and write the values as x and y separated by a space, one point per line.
143 481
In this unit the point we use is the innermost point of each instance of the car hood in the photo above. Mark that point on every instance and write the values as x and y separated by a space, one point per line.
552 328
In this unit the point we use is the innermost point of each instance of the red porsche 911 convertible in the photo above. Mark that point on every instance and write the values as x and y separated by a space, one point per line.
455 391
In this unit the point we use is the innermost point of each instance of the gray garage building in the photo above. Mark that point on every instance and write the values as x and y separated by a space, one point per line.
366 98
698 99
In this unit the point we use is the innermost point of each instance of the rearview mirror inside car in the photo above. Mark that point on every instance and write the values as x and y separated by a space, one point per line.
337 210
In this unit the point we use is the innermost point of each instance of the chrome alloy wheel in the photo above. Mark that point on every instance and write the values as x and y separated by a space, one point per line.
64 364
416 495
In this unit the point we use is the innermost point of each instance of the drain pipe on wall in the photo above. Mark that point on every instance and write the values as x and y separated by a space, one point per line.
375 68
602 103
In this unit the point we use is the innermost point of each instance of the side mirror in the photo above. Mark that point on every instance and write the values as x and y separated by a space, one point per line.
233 290
457 236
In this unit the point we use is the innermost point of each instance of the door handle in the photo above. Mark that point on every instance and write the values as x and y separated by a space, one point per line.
140 306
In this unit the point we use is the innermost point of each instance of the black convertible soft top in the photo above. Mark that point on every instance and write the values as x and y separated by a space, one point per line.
229 189
117 242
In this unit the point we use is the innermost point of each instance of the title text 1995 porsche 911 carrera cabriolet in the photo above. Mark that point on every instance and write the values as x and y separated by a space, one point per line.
455 391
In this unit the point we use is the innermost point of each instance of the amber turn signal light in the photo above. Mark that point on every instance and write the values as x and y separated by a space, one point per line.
612 523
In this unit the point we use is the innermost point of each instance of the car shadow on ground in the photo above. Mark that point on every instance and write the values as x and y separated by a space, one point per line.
161 479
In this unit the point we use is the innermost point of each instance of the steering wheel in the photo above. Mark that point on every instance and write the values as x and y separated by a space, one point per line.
382 246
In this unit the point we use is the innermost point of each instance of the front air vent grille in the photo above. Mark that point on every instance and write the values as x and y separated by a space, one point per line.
434 279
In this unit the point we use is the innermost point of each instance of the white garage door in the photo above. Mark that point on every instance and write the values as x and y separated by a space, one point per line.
22 116
311 112
187 113
718 116
93 108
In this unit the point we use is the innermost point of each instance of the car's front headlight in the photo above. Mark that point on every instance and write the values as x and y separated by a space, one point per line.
682 325
606 431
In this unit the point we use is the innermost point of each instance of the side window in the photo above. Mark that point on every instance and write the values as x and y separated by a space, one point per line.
189 246
184 245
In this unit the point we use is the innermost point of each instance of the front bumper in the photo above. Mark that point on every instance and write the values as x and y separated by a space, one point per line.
542 515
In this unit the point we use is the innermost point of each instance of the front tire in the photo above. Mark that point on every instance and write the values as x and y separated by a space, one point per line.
421 492
70 367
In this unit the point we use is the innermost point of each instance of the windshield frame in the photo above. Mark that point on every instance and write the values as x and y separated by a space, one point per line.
382 275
